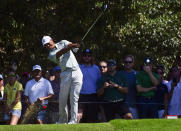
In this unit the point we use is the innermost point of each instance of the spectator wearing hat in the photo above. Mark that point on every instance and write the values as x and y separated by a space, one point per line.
1 96
71 76
12 99
37 90
88 108
174 91
112 88
130 74
161 92
146 83
53 105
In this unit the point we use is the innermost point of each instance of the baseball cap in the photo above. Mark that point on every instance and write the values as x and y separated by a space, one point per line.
87 51
36 67
46 39
111 62
1 76
56 68
148 60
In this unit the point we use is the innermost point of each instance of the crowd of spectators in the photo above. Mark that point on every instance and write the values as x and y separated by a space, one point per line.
107 93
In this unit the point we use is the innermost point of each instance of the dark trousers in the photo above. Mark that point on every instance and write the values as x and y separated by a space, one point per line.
147 107
113 108
88 103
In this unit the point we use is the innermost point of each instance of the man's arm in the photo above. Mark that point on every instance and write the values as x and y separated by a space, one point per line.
45 98
27 100
120 88
100 91
142 89
152 77
66 49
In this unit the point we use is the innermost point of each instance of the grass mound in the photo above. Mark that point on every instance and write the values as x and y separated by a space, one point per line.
114 125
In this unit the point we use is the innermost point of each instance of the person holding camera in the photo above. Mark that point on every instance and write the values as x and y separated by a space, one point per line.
112 88
146 83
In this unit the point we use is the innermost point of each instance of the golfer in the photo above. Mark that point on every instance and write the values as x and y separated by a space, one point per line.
71 76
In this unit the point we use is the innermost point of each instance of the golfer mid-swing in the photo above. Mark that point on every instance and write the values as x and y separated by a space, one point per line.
71 76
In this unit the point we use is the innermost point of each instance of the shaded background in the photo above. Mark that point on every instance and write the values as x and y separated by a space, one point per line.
138 27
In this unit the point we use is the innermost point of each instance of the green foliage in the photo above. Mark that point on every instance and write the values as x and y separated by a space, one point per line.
138 27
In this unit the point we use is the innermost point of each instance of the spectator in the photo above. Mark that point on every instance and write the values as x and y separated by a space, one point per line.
49 75
161 92
12 99
88 108
38 90
71 76
130 74
174 89
146 83
1 87
103 67
53 104
14 67
1 97
112 88
25 76
178 63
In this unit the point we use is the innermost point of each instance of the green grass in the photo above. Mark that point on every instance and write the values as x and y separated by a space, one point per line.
115 125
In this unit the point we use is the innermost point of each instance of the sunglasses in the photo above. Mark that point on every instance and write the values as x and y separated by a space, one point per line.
128 62
103 66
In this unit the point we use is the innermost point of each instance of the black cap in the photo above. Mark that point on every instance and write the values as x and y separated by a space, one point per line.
111 62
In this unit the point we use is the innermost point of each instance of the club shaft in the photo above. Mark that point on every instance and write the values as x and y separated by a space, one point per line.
92 25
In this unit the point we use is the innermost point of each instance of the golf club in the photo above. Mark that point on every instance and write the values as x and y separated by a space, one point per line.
105 7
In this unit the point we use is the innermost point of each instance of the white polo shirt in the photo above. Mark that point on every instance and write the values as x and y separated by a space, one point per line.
67 61
34 90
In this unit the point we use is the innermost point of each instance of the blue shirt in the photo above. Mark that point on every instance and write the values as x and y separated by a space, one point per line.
91 75
131 79
54 106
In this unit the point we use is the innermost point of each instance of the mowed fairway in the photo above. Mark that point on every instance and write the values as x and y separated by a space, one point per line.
115 125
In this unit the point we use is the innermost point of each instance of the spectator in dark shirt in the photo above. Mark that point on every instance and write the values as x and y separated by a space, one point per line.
161 93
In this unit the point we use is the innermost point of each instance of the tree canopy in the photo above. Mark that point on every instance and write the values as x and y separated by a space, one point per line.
138 27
